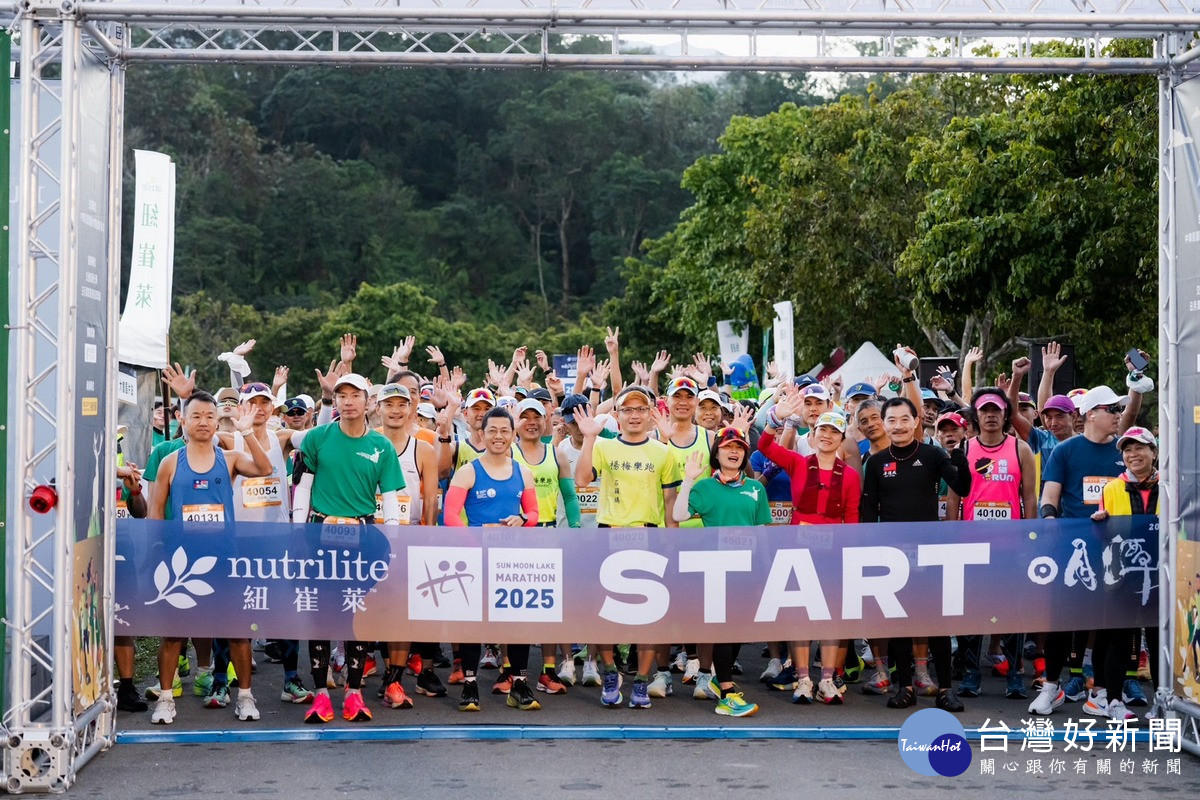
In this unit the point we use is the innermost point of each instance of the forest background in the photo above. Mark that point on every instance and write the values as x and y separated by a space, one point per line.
480 210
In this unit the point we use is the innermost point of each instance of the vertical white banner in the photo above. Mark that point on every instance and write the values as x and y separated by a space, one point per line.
734 339
785 346
146 320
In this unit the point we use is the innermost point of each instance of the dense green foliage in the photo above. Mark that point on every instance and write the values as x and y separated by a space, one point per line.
480 210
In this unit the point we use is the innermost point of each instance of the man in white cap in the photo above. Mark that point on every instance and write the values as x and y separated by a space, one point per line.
1073 482
347 464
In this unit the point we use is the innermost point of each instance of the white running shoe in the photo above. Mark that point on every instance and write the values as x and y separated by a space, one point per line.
591 675
691 670
706 687
245 707
1097 703
1118 711
164 710
774 667
661 685
1048 699
566 672
490 658
828 692
924 684
803 693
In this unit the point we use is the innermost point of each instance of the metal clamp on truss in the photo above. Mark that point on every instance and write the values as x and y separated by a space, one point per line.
39 760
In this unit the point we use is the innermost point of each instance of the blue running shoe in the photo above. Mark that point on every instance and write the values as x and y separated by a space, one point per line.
1015 686
1075 689
640 696
1132 694
972 683
610 695
784 681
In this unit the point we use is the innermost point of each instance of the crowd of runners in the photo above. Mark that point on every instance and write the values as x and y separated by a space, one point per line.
660 445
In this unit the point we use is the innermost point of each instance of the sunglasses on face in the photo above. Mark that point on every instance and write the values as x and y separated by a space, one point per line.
296 412
1113 409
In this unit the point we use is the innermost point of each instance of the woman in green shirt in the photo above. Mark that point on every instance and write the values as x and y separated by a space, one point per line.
728 499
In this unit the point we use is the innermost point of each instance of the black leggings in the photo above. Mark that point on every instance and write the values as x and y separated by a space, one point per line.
356 660
723 658
970 649
1116 652
518 657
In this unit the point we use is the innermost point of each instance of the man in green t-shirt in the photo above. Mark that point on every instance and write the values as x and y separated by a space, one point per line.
347 463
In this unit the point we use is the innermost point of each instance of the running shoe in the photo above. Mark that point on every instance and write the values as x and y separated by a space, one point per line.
128 698
1097 703
827 693
1049 698
903 698
863 648
394 696
854 667
736 669
802 694
415 664
218 697
550 684
880 683
591 675
522 697
924 684
1075 689
153 691
294 692
503 684
660 685
611 694
774 667
1118 711
354 709
429 684
164 711
470 696
393 674
691 671
972 684
679 663
1143 670
1000 667
1132 695
640 696
321 711
456 674
579 653
245 708
370 667
185 667
706 687
202 685
947 700
785 680
440 661
840 683
1014 686
566 672
734 705
490 658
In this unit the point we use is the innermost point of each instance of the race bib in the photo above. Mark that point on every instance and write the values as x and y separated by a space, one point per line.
993 511
589 499
405 509
1093 489
123 511
781 512
262 492
204 512
942 508
341 531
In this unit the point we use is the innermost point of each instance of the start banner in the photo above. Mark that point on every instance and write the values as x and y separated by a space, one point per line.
649 585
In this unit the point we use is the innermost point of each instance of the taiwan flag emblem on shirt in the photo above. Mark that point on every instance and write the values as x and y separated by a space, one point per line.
889 469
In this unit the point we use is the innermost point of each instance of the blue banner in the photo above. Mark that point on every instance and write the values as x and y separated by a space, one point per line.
412 583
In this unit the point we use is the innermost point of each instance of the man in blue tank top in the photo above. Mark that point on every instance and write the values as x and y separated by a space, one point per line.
196 484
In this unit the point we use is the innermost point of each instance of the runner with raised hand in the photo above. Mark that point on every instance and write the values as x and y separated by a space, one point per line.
638 481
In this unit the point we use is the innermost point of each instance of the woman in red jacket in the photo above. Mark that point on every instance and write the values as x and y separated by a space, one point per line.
825 490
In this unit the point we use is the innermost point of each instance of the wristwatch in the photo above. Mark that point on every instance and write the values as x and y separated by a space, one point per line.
445 439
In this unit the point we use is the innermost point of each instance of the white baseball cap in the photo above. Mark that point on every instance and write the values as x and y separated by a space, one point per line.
1101 396
355 380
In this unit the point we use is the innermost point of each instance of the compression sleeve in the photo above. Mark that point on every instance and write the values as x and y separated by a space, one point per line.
570 501
456 498
325 415
529 506
302 499
391 508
